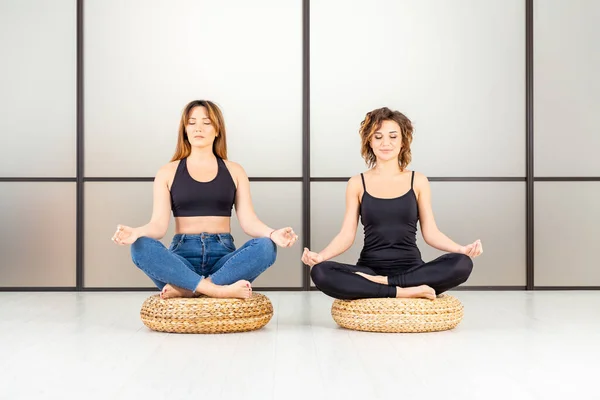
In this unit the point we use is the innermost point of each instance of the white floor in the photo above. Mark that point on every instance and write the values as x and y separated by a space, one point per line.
510 345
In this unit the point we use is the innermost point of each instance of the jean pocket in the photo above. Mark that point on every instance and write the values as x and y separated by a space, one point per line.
175 244
227 243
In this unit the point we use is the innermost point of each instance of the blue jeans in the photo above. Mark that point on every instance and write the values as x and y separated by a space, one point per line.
191 258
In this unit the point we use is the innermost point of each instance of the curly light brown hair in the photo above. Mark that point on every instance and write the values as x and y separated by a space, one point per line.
372 123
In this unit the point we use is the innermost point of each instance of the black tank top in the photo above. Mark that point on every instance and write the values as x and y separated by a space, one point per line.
390 227
190 198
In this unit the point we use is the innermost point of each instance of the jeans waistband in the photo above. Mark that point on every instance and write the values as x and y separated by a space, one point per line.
201 236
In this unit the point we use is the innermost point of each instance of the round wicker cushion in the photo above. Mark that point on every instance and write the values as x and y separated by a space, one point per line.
398 315
206 314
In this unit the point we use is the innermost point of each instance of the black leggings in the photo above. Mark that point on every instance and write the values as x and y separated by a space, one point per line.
341 282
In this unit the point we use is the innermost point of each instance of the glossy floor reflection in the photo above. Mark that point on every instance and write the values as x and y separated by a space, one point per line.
510 345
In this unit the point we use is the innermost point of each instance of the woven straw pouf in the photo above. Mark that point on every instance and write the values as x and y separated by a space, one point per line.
206 314
398 315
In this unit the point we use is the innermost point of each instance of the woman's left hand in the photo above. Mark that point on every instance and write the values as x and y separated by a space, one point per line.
472 250
284 237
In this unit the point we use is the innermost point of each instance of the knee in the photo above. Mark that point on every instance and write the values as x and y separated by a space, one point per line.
463 266
141 248
319 273
267 250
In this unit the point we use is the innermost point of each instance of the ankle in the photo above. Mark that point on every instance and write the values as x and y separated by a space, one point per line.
402 292
206 287
382 280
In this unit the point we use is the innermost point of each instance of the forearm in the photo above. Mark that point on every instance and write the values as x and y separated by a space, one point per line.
151 230
337 246
256 228
438 240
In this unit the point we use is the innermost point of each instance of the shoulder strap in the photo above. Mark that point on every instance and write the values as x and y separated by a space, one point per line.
412 178
181 166
363 181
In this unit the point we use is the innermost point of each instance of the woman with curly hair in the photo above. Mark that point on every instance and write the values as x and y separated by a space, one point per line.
390 200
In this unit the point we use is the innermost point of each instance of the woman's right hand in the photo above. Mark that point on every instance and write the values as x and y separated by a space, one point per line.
472 250
125 235
311 258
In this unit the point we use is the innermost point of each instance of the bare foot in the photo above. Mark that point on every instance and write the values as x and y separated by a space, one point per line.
374 278
170 291
239 290
423 291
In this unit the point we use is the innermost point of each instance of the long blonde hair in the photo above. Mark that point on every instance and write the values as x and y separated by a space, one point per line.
184 148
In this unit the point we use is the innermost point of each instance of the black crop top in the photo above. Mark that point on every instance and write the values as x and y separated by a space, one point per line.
190 198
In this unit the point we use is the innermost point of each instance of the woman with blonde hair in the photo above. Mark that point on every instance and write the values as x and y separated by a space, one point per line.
200 186
390 200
